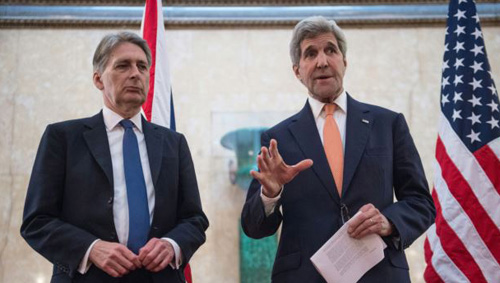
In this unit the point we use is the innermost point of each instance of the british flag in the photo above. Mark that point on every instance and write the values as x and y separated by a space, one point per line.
464 243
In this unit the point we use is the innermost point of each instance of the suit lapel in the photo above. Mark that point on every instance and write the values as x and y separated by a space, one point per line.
306 134
155 148
97 141
358 126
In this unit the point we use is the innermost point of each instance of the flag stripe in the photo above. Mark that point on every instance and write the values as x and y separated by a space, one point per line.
472 172
455 249
162 108
490 164
149 31
443 265
430 273
464 195
462 226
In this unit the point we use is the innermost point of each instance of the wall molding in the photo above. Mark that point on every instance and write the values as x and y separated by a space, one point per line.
233 16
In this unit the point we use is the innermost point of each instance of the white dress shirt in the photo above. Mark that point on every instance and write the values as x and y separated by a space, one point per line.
120 203
319 115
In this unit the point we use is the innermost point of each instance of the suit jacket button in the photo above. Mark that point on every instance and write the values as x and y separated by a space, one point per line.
110 200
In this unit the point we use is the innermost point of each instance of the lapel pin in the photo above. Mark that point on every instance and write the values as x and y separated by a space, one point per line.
365 121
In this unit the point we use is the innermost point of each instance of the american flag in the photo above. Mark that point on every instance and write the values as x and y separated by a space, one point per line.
464 243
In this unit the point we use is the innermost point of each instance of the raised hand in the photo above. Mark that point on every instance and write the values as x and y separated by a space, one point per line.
274 172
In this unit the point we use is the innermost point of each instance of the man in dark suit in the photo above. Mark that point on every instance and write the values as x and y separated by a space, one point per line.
114 198
348 156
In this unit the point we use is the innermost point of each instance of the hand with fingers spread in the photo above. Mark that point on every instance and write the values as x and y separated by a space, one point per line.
156 254
113 258
370 221
274 172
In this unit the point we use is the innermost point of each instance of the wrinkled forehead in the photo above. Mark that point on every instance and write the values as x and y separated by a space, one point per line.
321 39
127 51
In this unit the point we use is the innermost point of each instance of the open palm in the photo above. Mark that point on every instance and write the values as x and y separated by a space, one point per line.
274 172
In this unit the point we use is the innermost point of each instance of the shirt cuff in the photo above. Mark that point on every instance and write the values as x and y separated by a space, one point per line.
177 262
85 263
269 203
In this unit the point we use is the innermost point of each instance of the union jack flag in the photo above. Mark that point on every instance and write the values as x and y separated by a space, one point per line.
464 243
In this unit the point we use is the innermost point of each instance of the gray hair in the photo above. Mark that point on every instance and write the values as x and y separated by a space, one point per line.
311 27
110 42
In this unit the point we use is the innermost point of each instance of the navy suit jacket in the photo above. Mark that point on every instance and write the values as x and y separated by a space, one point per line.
69 203
380 160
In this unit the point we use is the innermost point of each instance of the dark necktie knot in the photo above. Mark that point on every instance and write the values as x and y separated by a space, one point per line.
127 124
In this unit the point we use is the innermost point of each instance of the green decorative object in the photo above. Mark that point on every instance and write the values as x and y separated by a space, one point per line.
245 143
256 256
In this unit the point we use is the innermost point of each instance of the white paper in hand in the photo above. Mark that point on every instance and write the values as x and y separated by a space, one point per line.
345 259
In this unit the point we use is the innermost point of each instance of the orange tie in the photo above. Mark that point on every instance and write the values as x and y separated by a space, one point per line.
333 146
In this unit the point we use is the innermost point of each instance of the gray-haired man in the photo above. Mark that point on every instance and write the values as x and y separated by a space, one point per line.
114 198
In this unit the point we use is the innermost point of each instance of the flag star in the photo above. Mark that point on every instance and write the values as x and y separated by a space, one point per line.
444 99
474 118
457 97
473 137
458 80
446 47
476 67
460 46
461 1
477 33
458 63
492 88
459 30
493 105
460 14
445 65
456 115
476 17
493 123
445 82
477 50
475 84
475 101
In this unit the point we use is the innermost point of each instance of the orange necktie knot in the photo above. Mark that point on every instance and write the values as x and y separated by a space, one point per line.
330 109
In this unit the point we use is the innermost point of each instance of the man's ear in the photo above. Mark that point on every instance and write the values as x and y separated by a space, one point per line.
98 80
296 72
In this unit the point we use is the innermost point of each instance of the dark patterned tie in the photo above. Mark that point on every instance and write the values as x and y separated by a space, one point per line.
138 210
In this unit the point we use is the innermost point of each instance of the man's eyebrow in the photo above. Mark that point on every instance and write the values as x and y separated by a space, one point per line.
122 61
309 48
330 43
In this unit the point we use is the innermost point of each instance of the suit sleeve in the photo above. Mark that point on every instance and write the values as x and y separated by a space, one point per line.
414 211
189 233
61 243
254 222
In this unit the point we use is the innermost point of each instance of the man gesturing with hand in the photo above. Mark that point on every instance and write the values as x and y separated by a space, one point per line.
335 157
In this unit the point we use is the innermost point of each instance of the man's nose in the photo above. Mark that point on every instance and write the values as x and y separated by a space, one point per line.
134 72
322 60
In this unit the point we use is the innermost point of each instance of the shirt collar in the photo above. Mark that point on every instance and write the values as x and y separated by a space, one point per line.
111 119
317 106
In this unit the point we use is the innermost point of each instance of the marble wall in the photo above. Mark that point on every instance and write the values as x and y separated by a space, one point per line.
220 78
